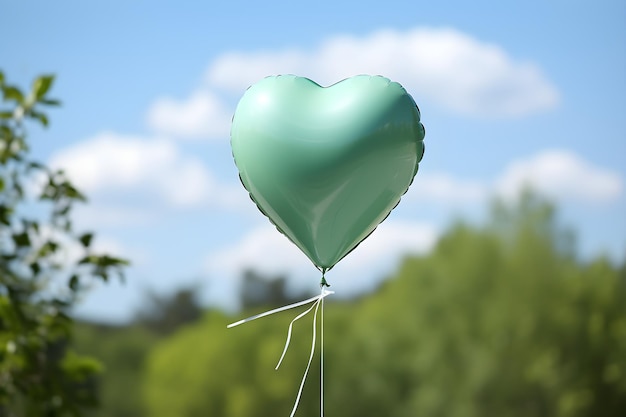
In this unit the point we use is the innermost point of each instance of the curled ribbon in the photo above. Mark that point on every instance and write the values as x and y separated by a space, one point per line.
317 301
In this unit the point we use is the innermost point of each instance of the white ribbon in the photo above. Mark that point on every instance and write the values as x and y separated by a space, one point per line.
317 300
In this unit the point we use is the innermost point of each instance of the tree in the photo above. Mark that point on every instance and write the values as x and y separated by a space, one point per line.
497 321
40 374
270 291
164 314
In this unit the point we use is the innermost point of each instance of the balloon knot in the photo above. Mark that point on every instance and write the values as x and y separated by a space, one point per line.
323 282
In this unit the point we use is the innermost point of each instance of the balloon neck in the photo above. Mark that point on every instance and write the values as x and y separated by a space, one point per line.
323 282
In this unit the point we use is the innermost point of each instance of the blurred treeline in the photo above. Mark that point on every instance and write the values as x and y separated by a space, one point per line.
498 320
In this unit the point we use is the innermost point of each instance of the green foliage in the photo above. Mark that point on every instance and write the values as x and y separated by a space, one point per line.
498 321
228 372
122 350
40 375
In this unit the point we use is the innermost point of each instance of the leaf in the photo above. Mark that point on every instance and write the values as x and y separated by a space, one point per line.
63 210
6 134
108 261
72 192
48 248
85 239
73 283
19 190
6 114
39 116
35 226
35 268
42 85
21 239
50 102
60 304
89 259
13 93
5 214
36 165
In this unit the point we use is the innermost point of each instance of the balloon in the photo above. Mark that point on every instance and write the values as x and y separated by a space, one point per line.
326 165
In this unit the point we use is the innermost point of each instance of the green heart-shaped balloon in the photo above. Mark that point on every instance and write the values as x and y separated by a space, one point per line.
326 164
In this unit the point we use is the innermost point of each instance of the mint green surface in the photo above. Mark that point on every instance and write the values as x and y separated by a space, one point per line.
326 165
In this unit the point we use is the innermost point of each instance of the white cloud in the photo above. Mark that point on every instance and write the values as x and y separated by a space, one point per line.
378 255
131 165
446 189
560 174
106 215
268 252
202 115
443 65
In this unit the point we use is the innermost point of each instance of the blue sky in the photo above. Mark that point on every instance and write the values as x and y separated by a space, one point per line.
511 93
